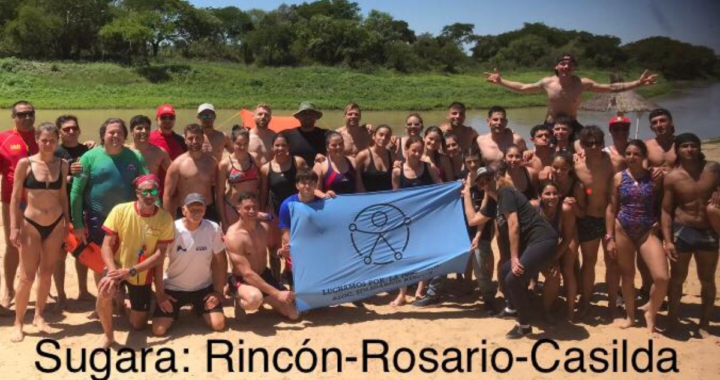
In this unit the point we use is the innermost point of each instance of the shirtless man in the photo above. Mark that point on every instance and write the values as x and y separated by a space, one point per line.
564 89
690 223
619 127
261 136
456 124
252 282
541 156
595 172
155 158
563 135
192 172
493 144
661 152
356 137
214 141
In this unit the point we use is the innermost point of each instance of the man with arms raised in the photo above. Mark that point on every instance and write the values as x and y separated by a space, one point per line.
137 235
164 137
252 282
15 144
661 152
307 140
261 137
494 144
356 137
564 89
196 270
690 225
192 172
157 160
456 124
214 141
595 172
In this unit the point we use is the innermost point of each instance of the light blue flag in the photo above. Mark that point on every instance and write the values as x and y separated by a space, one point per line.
355 246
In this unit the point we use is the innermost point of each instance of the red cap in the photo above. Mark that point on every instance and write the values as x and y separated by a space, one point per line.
619 120
165 109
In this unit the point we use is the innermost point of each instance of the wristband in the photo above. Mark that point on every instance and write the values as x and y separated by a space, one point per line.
608 237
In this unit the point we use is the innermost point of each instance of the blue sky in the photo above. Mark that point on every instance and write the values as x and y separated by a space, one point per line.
693 21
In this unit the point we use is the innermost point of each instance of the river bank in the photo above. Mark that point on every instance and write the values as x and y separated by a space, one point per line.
66 85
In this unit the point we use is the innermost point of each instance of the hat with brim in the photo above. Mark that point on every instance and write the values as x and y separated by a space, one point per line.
308 107
194 198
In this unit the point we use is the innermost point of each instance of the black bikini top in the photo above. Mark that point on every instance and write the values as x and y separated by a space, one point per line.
32 183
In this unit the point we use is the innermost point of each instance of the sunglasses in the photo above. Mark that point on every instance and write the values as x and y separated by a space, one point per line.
71 129
167 118
206 116
25 115
148 192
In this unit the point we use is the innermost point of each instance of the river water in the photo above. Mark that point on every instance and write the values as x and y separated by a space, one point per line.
695 109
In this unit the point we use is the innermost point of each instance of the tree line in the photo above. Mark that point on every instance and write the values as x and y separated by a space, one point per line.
325 32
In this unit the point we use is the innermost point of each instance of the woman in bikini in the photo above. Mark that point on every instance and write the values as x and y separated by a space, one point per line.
337 175
277 183
413 172
434 146
523 178
237 173
632 216
562 173
40 230
413 127
375 163
561 217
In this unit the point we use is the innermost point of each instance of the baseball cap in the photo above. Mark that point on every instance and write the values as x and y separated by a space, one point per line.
165 109
619 120
206 107
484 171
194 198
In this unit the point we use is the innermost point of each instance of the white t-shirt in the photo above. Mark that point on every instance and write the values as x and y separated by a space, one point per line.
191 256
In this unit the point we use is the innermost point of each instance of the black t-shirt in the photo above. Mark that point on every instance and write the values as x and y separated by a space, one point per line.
489 211
533 227
306 144
70 155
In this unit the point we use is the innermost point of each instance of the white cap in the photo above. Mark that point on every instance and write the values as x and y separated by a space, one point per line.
205 107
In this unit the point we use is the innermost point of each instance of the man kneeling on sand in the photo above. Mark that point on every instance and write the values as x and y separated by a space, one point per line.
196 272
252 282
137 235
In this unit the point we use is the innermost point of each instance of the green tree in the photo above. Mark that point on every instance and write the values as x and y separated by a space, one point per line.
34 33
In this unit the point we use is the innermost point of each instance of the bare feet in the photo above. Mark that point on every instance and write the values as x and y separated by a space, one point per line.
703 333
93 315
60 305
583 310
7 298
626 323
42 326
399 301
17 334
105 342
418 294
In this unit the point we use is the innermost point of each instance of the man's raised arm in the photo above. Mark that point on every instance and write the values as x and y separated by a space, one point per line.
645 79
525 88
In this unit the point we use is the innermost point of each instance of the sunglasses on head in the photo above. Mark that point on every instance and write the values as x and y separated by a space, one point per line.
148 192
25 115
167 117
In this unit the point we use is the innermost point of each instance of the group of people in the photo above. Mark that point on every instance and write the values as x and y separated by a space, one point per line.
203 196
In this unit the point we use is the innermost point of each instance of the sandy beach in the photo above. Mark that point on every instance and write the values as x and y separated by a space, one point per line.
445 333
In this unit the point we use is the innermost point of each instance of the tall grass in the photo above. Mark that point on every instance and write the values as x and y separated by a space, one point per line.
186 84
